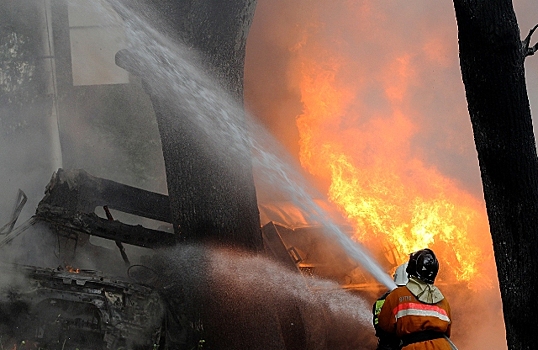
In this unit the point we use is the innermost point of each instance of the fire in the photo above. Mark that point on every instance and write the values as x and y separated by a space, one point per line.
376 177
71 269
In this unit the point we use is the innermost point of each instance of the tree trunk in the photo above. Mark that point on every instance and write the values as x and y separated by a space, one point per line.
218 29
212 197
492 66
210 200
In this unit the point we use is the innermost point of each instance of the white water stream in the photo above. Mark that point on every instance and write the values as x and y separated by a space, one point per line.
179 80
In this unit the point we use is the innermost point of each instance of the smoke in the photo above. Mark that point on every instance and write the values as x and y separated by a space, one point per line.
109 130
387 57
108 140
25 107
106 147
477 317
410 49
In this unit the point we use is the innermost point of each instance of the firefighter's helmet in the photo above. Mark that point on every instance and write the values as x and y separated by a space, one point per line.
424 265
400 275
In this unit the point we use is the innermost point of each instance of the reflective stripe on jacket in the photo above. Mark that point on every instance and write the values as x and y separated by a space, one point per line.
403 314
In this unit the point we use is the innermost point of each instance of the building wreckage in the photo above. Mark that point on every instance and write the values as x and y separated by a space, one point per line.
74 275
49 300
62 294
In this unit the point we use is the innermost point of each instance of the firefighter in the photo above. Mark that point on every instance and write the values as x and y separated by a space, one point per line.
385 340
418 313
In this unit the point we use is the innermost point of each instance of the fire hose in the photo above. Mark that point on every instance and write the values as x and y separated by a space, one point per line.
452 345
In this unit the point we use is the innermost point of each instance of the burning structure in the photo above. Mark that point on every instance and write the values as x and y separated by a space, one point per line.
373 192
78 309
62 301
81 278
67 292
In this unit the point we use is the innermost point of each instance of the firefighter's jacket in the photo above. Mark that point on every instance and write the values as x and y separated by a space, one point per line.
385 340
405 315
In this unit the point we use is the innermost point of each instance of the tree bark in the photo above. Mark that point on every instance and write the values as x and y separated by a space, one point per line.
218 29
492 67
210 200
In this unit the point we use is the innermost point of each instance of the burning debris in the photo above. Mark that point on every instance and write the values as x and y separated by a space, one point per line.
67 309
66 291
51 300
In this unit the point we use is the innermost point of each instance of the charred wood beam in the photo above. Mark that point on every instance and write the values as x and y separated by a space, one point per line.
78 191
72 196
114 230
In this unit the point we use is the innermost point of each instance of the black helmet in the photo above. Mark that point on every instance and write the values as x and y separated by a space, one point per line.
424 265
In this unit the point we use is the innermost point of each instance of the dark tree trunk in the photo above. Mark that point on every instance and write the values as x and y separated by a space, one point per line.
492 66
212 197
218 29
210 200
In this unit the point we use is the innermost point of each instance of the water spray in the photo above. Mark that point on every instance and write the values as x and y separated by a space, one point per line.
168 70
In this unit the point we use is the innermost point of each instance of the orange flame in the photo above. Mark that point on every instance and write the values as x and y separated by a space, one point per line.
388 194
72 269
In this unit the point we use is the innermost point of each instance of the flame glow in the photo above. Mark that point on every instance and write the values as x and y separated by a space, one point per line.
376 177
374 89
72 269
